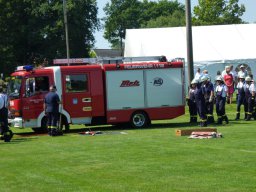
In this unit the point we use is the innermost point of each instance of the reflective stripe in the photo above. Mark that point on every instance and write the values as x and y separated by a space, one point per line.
52 127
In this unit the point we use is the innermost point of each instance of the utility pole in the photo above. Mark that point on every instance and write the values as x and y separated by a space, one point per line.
189 42
66 28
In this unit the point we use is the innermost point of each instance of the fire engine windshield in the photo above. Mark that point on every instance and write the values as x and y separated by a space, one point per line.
14 87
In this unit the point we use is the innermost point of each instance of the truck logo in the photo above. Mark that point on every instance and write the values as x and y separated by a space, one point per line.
158 81
128 83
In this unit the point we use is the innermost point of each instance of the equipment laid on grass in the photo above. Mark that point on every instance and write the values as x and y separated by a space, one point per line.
184 132
90 133
95 94
204 135
102 133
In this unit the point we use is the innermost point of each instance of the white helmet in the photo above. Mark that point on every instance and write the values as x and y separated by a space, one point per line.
241 76
248 78
194 81
218 78
204 78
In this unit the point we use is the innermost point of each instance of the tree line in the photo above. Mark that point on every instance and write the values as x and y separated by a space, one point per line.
32 32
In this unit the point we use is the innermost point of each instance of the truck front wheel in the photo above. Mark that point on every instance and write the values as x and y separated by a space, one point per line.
43 128
64 124
139 119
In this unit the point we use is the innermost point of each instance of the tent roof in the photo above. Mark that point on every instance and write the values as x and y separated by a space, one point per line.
210 43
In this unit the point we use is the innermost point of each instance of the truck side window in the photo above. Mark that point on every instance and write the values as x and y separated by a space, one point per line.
76 83
42 84
30 87
37 85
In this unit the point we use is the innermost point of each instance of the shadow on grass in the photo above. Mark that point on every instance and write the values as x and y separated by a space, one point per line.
19 140
126 126
155 125
119 127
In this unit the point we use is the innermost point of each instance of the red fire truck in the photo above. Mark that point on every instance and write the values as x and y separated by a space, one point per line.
98 93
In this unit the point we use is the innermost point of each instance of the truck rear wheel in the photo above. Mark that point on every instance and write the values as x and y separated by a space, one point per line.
139 119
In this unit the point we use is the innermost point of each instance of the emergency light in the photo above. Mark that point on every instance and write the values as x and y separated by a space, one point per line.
25 67
28 67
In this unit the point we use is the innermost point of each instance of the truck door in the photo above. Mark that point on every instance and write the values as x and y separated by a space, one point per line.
36 87
77 100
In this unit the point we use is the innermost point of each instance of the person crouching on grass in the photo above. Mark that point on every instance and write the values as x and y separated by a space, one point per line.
221 93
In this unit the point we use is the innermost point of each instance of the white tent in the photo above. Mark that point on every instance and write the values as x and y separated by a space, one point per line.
213 46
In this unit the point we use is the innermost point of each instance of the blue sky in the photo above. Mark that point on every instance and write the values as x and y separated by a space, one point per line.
249 16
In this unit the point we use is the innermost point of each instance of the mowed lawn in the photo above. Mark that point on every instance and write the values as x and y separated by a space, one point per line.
151 159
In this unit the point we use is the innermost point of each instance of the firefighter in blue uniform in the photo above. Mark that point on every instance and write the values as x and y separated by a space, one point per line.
249 97
221 93
5 133
192 102
208 90
240 96
51 107
200 103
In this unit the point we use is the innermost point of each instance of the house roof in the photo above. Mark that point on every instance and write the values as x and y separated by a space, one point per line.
108 52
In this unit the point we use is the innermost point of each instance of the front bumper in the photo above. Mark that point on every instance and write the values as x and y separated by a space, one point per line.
16 122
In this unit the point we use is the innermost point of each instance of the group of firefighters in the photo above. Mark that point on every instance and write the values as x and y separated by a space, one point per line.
203 94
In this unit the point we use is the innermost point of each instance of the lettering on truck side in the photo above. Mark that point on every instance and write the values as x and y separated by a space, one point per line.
146 66
128 83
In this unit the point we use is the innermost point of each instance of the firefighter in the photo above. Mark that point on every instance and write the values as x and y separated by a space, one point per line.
192 102
5 133
221 93
200 103
208 95
249 97
51 107
240 96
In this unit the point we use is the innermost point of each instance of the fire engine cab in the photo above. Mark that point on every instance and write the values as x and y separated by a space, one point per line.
134 92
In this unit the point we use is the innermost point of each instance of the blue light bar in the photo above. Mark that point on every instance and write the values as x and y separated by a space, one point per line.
28 67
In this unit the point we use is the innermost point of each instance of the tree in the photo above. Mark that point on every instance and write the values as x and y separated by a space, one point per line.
120 15
217 12
162 10
31 31
130 14
175 20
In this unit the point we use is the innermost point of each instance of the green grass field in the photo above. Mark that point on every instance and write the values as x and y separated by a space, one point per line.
143 160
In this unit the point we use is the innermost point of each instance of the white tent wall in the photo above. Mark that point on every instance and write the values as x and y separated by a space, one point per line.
213 46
